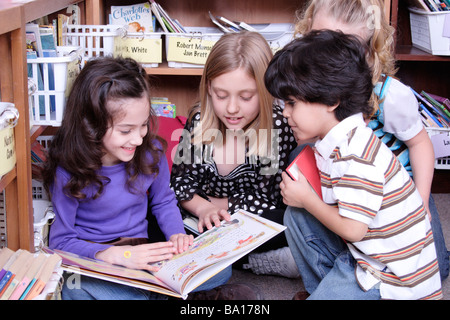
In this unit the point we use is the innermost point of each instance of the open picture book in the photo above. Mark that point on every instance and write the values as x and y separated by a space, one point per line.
211 252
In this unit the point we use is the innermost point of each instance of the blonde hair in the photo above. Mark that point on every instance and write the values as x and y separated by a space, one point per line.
368 14
250 52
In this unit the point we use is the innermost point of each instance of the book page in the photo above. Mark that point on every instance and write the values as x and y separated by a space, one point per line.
217 248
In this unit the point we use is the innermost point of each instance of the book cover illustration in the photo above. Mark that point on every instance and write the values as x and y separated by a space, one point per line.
305 163
136 17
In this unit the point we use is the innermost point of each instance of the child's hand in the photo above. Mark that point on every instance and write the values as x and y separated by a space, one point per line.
212 218
295 193
140 256
181 241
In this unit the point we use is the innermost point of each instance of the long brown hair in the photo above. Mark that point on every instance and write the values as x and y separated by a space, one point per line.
77 145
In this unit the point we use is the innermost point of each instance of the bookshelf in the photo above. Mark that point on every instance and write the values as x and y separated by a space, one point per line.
16 184
421 71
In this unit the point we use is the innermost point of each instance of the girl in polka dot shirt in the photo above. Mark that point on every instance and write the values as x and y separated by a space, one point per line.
236 141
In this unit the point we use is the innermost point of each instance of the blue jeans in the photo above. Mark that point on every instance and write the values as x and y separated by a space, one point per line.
326 266
95 289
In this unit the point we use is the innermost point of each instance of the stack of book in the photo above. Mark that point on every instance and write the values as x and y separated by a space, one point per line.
434 110
431 5
163 107
167 23
25 275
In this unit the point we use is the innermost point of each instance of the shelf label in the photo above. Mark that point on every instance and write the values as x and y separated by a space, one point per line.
140 49
73 69
7 150
441 144
189 49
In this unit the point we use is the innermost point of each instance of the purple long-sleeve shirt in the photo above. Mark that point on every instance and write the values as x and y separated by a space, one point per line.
81 226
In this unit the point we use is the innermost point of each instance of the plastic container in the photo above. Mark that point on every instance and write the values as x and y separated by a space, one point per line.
43 216
276 34
54 77
427 31
96 40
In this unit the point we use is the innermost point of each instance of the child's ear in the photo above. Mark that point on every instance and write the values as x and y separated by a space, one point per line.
209 87
333 107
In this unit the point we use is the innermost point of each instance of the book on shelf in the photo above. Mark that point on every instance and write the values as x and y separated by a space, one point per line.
25 275
432 112
135 17
436 104
430 5
163 107
211 252
305 164
444 101
167 23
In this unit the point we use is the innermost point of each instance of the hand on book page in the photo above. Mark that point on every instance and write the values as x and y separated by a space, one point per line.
305 164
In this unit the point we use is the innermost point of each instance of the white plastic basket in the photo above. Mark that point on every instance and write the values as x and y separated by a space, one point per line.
427 31
53 76
43 216
37 190
96 40
45 141
444 162
276 34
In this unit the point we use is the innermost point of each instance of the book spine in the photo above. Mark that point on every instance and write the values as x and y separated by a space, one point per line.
430 5
435 103
444 101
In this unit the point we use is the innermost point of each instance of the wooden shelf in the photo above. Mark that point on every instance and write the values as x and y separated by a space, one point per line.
7 178
410 53
163 70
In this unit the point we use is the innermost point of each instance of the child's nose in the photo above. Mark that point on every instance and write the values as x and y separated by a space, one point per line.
286 112
232 106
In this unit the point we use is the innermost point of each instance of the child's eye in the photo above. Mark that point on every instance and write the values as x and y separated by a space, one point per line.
290 103
247 98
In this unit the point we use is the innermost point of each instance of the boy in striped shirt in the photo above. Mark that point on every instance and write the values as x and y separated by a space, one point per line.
369 237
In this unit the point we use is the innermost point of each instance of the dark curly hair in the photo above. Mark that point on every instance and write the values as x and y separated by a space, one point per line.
327 67
77 145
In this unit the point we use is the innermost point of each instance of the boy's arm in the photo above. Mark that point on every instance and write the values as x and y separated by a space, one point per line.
299 194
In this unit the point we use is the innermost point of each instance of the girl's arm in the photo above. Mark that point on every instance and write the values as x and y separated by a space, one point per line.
208 213
299 194
421 155
138 257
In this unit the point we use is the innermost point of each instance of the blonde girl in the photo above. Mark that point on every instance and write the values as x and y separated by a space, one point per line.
236 141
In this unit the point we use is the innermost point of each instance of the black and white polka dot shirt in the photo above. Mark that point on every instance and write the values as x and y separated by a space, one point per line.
252 186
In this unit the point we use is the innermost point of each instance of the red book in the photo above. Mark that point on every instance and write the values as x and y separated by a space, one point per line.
305 163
